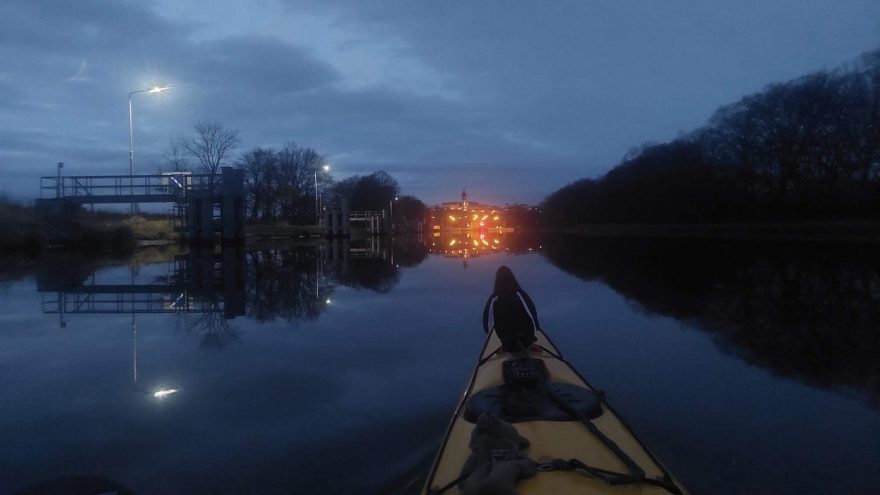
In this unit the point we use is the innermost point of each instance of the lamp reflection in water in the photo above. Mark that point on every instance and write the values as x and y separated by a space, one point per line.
466 244
162 393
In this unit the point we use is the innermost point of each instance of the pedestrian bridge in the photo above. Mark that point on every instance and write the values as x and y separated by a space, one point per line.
205 203
108 189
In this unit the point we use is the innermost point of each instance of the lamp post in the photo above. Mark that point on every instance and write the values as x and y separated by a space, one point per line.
326 168
153 90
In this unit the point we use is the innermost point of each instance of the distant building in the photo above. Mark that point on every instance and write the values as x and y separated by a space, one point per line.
466 215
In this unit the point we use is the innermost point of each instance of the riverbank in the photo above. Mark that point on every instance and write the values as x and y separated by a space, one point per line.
28 230
850 230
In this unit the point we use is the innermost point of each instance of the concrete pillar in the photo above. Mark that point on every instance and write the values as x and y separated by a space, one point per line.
233 282
346 257
191 218
206 219
232 205
336 252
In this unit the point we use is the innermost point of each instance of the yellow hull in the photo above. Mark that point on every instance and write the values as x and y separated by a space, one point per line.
548 439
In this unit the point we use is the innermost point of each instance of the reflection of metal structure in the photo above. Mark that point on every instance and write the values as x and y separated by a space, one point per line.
199 282
370 247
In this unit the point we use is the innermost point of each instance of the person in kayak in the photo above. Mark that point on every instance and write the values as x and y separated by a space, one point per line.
514 313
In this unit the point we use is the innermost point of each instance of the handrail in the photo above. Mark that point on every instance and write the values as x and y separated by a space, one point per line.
124 185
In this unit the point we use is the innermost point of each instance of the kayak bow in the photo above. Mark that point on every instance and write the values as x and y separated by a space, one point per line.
578 442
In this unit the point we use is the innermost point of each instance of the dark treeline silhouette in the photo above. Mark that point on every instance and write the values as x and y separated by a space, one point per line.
368 192
521 216
281 183
808 311
807 149
409 211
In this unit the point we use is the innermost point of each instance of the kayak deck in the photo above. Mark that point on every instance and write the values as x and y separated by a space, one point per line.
548 439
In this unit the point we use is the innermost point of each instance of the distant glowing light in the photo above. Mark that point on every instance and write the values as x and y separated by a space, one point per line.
164 392
328 301
452 218
495 217
452 243
475 217
326 168
485 242
482 224
496 241
484 217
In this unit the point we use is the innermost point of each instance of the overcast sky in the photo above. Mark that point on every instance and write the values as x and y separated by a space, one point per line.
508 99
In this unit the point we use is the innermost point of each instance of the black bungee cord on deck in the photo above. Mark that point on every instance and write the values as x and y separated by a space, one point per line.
515 337
506 284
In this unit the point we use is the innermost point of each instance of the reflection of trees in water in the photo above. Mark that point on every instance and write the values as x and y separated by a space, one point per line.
376 274
285 283
409 251
215 329
808 311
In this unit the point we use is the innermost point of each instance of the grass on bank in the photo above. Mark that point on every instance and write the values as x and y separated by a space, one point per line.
30 230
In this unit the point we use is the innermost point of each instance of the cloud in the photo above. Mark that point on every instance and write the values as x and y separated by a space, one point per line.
82 74
512 97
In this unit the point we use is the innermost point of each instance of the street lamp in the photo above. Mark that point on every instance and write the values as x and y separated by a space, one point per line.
153 90
326 169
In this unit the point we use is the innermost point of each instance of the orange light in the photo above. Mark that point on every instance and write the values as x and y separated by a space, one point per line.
452 243
452 218
485 217
495 217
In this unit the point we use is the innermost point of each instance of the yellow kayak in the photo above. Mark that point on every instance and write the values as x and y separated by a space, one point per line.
573 442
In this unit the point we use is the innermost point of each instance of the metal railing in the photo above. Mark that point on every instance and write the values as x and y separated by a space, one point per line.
363 216
160 186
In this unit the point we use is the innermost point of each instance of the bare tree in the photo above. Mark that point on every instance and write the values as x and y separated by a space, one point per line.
211 146
260 166
298 171
174 158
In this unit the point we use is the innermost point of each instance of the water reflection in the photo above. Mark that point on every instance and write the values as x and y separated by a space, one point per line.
289 282
466 244
809 311
200 281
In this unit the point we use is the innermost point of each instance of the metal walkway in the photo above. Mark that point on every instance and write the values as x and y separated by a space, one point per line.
106 189
204 203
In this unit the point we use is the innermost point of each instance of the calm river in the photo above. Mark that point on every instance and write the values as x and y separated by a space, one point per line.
747 367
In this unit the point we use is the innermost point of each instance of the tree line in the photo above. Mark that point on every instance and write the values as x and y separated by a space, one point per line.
806 149
290 184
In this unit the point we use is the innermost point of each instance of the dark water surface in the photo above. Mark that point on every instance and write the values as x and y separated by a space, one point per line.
747 367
